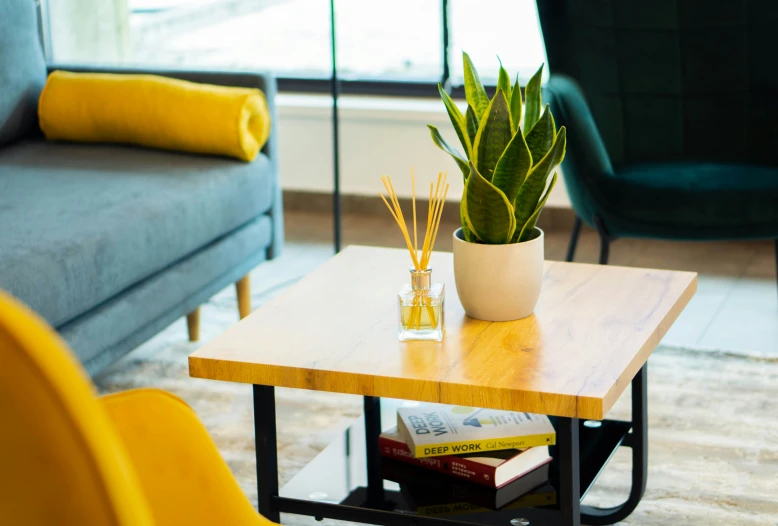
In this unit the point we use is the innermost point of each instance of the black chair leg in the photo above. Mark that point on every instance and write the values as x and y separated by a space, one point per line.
604 250
605 240
574 239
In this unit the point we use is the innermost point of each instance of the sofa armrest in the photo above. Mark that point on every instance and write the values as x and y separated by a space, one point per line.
587 159
264 81
568 102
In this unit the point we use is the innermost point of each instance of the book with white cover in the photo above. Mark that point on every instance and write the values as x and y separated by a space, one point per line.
437 429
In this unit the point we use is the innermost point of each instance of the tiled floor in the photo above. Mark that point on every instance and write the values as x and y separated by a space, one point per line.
735 309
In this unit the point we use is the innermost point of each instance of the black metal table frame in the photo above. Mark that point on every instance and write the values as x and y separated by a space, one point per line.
569 493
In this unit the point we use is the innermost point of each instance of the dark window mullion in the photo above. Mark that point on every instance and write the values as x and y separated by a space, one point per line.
446 77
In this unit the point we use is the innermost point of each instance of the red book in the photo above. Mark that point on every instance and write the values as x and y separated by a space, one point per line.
492 469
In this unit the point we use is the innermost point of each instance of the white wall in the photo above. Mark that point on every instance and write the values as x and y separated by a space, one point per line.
378 136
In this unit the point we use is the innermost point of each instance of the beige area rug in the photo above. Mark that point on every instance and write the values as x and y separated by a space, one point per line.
713 426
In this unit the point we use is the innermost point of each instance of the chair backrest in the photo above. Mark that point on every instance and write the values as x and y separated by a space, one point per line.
61 461
22 69
672 80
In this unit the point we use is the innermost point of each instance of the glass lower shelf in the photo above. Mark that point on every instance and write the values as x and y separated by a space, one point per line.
335 483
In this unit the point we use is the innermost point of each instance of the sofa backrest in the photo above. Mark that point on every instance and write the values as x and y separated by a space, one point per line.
22 69
672 80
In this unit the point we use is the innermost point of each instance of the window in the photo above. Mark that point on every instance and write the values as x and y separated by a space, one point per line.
397 40
485 28
290 37
383 47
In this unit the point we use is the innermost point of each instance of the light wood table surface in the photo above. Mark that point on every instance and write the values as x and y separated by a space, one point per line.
336 330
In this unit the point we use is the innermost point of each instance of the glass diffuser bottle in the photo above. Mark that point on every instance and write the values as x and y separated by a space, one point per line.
420 306
420 302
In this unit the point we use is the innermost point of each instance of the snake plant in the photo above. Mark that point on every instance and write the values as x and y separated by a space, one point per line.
511 147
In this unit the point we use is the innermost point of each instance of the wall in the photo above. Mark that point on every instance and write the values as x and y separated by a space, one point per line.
378 136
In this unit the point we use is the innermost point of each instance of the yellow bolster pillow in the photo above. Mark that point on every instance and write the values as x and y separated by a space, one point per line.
154 111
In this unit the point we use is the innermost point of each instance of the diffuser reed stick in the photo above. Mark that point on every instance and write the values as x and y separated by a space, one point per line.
420 259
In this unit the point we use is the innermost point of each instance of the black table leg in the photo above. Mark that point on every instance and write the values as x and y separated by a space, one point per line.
375 483
569 452
266 450
638 441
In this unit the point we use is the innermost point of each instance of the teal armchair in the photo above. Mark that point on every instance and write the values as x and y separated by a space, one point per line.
672 112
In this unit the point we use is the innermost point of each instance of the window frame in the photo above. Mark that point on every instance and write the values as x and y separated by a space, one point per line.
301 84
369 87
392 88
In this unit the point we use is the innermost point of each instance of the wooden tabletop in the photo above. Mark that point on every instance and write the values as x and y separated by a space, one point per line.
336 330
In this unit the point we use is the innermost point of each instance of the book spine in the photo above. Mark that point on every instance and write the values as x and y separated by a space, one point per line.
450 465
489 444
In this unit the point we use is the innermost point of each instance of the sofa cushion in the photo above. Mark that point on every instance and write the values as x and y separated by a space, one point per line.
81 223
22 69
691 201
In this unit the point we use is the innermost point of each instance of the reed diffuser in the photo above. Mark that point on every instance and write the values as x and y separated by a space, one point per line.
420 303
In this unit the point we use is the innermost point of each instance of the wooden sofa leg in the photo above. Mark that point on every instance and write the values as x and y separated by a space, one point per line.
243 288
193 324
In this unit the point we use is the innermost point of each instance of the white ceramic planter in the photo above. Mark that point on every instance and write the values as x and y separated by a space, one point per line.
498 282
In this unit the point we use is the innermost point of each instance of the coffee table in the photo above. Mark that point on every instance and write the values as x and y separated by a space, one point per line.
336 330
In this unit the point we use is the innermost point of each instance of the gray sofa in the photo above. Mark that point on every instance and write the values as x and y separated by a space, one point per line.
110 244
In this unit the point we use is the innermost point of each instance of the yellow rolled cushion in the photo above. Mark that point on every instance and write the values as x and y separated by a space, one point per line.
154 111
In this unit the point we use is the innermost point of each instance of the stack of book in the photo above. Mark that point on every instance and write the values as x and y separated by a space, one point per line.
493 459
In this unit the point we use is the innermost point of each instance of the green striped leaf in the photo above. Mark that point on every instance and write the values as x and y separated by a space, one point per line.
513 167
541 136
532 189
488 213
472 125
526 230
494 134
516 104
504 82
466 232
457 120
533 101
474 90
441 143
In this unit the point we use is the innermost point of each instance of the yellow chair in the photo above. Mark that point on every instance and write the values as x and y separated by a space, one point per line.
68 456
